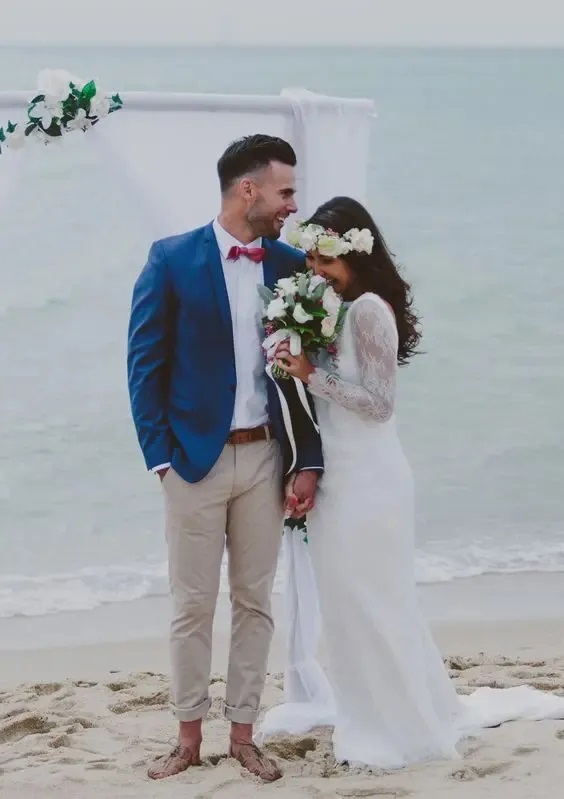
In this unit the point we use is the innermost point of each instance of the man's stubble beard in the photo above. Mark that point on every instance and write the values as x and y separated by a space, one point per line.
263 227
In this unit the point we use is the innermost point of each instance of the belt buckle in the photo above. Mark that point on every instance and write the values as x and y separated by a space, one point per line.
267 432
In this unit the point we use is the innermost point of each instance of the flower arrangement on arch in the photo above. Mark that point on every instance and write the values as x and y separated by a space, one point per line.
64 103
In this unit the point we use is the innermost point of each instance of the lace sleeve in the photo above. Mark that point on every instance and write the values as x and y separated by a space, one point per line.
375 340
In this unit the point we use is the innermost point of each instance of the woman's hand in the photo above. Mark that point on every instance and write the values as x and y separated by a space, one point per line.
295 365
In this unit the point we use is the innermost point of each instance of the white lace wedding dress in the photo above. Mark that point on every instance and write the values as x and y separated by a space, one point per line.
394 703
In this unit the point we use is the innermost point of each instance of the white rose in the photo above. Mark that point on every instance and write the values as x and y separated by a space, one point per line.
300 314
331 301
362 240
309 236
56 83
276 309
287 285
16 139
330 246
328 326
100 105
293 236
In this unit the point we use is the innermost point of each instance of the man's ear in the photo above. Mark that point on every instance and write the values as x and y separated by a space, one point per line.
247 188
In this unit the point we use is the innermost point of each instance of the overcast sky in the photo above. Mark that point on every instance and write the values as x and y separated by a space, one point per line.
425 22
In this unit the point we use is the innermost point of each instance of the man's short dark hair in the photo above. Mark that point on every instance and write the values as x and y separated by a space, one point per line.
251 153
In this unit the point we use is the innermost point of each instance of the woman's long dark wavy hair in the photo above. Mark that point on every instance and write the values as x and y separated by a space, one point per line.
376 272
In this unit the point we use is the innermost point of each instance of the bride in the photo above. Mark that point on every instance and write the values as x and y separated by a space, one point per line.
394 701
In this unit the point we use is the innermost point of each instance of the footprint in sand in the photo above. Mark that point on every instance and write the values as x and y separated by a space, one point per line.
23 726
77 721
102 764
119 685
469 773
60 741
46 688
525 750
292 749
160 699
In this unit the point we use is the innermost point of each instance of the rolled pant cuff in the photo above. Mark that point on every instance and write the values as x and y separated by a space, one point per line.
240 716
192 713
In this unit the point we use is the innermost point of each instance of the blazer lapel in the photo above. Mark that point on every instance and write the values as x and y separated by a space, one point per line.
268 265
213 260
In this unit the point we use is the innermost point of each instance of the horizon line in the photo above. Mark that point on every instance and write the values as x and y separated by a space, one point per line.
290 45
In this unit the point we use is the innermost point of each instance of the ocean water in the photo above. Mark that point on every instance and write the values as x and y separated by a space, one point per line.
466 177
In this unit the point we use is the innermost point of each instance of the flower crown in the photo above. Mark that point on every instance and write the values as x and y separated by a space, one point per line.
327 242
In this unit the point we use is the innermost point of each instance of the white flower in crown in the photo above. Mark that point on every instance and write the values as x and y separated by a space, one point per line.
276 309
294 236
329 245
309 237
361 240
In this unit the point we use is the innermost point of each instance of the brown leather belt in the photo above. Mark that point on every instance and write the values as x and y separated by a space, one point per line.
250 435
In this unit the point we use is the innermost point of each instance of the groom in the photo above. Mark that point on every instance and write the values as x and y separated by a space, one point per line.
209 424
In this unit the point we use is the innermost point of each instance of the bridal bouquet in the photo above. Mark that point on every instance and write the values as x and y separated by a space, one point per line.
304 309
63 104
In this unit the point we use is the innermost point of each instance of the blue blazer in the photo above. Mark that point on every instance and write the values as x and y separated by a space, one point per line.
181 361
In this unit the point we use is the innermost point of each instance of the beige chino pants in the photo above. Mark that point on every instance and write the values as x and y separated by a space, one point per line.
238 505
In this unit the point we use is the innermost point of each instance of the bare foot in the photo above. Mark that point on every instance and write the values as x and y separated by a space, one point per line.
181 758
255 761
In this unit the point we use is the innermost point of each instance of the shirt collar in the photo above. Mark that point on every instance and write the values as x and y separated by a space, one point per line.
225 240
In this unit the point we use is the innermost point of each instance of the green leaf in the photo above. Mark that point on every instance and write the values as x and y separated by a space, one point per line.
88 91
265 293
302 284
317 293
116 99
11 127
2 135
38 99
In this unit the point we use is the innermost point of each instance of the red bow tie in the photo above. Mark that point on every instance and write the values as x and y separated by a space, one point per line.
255 254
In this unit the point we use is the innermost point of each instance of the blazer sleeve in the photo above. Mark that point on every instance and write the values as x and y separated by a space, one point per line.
148 357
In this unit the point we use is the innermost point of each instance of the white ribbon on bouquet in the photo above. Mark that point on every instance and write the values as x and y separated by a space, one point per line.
272 342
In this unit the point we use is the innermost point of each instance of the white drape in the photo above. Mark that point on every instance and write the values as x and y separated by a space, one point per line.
331 137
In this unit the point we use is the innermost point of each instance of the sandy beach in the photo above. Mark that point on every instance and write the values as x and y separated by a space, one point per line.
85 720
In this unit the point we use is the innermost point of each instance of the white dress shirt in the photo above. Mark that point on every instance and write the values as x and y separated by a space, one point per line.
241 278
